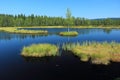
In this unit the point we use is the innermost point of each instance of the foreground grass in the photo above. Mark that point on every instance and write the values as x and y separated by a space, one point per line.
22 31
97 53
70 33
40 50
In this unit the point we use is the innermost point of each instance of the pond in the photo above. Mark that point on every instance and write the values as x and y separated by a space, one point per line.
66 66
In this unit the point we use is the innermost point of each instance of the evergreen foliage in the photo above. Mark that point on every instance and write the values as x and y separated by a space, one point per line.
35 20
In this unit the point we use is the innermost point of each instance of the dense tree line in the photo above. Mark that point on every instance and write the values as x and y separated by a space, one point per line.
33 20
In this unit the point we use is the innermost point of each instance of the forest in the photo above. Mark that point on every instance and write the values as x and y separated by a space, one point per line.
7 20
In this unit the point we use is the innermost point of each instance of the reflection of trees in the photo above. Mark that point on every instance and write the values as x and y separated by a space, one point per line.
86 31
106 30
9 36
58 30
55 31
4 36
43 59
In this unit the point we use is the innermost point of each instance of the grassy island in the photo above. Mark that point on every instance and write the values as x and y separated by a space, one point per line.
40 50
70 33
22 31
97 53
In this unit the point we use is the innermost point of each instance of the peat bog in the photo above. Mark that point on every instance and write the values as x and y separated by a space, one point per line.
66 65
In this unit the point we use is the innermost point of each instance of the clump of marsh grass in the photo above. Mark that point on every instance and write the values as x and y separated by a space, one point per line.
82 56
70 33
40 50
22 31
98 53
69 46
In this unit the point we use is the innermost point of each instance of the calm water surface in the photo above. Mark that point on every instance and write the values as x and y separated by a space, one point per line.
66 66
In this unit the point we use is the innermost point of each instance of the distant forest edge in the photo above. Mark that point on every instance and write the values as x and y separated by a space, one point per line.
22 20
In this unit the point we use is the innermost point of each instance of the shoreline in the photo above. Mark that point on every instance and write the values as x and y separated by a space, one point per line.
81 27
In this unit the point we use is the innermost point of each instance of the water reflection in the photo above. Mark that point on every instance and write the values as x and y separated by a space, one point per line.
35 60
107 30
15 67
55 31
58 30
9 36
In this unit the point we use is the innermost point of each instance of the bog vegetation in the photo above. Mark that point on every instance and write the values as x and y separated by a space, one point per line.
97 53
22 31
70 33
40 50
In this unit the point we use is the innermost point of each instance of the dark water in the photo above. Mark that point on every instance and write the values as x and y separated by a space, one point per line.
66 66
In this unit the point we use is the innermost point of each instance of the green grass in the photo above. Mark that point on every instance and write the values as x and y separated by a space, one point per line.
97 53
70 33
40 50
22 31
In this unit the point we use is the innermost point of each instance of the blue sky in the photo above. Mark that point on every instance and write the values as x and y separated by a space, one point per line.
79 8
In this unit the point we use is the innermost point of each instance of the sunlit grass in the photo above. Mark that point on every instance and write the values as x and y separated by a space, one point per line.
70 33
40 50
22 31
98 53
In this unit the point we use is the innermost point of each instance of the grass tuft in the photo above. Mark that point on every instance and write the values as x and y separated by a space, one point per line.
70 33
40 50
